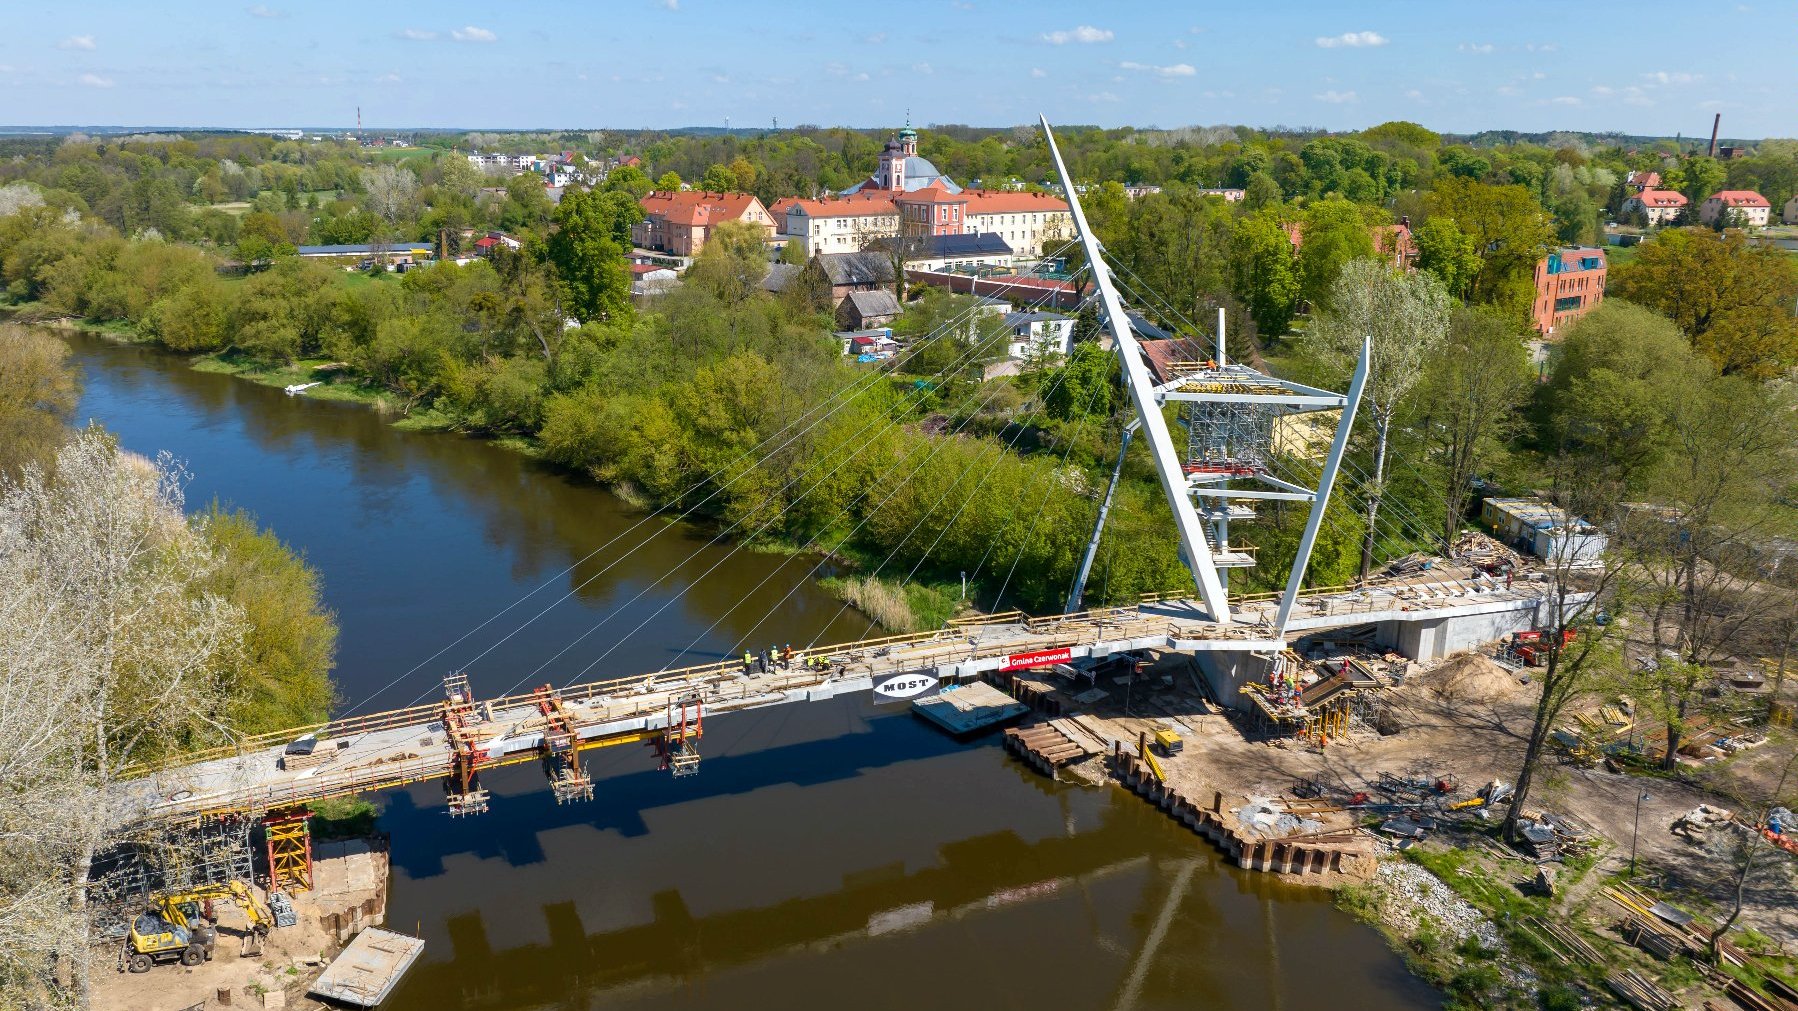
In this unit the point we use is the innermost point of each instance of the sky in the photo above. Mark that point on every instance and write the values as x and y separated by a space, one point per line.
1452 65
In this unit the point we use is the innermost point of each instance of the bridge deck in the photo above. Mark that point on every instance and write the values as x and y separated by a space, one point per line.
386 750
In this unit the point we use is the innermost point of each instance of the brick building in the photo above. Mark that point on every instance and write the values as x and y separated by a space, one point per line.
679 222
1569 284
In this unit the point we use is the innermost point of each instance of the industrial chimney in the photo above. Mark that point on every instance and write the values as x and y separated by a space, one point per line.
1715 123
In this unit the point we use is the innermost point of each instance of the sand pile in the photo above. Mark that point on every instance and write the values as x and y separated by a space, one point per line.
1470 678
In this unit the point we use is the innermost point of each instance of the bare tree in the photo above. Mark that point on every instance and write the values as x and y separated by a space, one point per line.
112 651
1753 860
1406 315
1578 648
387 194
1731 457
1471 394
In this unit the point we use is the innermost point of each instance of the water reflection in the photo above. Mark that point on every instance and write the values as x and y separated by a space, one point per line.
828 854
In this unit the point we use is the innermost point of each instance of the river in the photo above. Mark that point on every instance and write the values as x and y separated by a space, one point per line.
830 854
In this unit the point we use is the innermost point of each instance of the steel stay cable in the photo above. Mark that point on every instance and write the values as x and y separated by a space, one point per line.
945 329
950 327
647 517
821 561
666 604
937 445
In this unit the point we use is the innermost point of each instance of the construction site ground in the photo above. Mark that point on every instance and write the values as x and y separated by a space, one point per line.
348 876
1465 718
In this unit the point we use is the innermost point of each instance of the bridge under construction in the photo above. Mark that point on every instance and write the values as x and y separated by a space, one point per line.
1218 475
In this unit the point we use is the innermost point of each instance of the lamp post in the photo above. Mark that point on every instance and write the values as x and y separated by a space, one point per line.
1635 832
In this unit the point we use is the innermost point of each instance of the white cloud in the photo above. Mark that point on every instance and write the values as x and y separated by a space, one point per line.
861 77
388 78
1177 70
1352 39
265 11
1038 72
876 39
415 35
95 81
1103 96
922 68
77 42
1082 34
1675 77
962 5
473 34
1542 47
1336 97
1475 47
1564 100
1509 89
1415 95
668 5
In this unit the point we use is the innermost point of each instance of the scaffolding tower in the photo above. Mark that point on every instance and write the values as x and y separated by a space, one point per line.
462 789
169 856
679 744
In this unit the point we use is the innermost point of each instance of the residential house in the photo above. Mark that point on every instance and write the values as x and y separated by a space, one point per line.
652 279
679 222
486 244
863 310
1790 216
836 225
1569 284
869 345
1230 194
780 277
1640 181
1137 191
853 272
1039 333
1394 242
1658 207
1753 208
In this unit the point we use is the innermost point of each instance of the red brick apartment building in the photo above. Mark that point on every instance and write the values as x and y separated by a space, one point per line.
1569 284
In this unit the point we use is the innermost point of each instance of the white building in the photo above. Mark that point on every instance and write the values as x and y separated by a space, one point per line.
1754 208
1034 334
1660 207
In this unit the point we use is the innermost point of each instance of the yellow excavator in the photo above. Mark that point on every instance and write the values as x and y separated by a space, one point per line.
175 927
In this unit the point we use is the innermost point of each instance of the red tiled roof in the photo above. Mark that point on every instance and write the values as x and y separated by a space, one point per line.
1662 198
1740 198
856 205
1011 202
486 243
645 268
932 194
1646 180
696 207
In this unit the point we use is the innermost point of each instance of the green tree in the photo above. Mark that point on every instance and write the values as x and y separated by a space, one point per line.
1444 250
588 257
38 394
668 182
1334 234
1734 299
1407 317
195 317
527 204
1470 404
281 675
1509 231
1264 272
1083 387
732 263
628 179
1610 389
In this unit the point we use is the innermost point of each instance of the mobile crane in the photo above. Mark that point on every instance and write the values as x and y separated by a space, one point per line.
175 928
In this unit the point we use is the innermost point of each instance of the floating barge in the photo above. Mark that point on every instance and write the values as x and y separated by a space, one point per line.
969 708
369 968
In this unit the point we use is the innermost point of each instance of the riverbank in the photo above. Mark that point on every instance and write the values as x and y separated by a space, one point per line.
896 605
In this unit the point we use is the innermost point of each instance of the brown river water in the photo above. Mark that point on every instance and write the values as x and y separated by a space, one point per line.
834 854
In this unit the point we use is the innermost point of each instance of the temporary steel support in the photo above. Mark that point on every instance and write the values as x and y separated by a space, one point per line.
680 740
1092 546
1141 385
1325 483
462 790
287 839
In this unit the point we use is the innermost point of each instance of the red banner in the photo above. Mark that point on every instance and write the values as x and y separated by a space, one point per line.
1040 658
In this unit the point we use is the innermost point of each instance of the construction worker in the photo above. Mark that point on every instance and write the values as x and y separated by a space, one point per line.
748 662
786 657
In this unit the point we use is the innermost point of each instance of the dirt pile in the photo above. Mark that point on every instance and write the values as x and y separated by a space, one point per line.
1469 677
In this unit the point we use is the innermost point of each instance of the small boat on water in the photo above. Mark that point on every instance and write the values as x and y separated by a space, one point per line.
296 389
